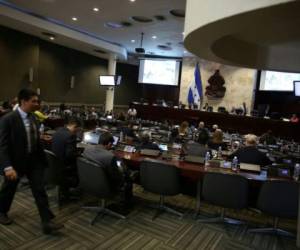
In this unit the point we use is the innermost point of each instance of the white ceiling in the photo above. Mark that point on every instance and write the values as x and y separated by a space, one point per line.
91 23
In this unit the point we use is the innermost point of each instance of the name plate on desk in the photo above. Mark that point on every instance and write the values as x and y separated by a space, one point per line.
249 167
194 159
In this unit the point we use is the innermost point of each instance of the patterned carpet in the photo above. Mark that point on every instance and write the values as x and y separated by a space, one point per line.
138 231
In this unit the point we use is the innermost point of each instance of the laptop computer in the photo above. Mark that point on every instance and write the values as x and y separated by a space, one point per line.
91 138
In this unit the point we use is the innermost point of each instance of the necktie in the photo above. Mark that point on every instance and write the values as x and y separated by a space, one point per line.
32 134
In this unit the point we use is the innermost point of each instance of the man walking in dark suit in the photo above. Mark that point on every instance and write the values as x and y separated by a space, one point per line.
21 153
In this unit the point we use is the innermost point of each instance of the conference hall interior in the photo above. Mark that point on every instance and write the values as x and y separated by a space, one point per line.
138 124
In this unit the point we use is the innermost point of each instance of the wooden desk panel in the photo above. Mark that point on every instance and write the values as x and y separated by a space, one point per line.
191 170
231 123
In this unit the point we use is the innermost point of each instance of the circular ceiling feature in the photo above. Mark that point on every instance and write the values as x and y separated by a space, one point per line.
48 34
114 25
164 47
142 19
160 18
178 13
100 51
262 38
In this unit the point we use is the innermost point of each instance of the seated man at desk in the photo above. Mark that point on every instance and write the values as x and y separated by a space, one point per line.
268 138
217 140
250 154
203 134
146 141
64 147
118 176
128 130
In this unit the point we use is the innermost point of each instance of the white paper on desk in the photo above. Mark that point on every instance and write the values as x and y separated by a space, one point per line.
176 146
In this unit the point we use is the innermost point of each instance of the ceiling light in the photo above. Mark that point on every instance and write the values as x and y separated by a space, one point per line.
74 18
132 1
96 9
154 37
133 41
51 38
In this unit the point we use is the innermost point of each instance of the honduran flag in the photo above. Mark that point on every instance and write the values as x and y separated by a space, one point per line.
195 94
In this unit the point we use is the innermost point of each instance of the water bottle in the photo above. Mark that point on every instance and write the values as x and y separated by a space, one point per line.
219 154
207 158
234 164
42 129
296 172
121 136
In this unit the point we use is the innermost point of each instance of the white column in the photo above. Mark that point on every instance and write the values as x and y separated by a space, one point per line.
110 92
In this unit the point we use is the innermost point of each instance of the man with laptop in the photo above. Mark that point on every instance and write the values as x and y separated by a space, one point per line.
116 171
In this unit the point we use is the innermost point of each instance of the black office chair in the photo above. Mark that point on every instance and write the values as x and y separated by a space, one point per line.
226 191
279 199
53 174
222 109
210 109
163 179
93 180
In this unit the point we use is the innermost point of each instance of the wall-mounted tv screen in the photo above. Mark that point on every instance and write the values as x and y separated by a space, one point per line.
277 81
297 88
110 80
159 71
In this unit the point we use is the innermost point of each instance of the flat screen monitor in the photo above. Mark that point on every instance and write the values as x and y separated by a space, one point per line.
297 88
110 80
107 80
278 81
116 140
159 71
91 138
118 80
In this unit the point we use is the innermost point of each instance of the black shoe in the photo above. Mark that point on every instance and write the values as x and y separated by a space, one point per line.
50 227
4 220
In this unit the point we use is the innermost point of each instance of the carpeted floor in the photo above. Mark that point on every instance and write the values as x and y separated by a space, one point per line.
138 231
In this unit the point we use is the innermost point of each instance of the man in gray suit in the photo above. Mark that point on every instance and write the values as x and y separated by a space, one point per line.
101 155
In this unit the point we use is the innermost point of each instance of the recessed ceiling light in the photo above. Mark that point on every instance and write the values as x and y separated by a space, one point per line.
96 9
154 37
132 1
51 38
74 18
133 41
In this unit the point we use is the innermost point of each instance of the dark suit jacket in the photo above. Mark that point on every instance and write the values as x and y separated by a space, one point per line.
105 159
64 146
251 155
13 144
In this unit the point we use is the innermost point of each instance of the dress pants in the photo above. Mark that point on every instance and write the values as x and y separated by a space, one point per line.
35 176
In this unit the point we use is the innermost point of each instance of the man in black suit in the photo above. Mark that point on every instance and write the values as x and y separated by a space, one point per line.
250 154
21 153
64 146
